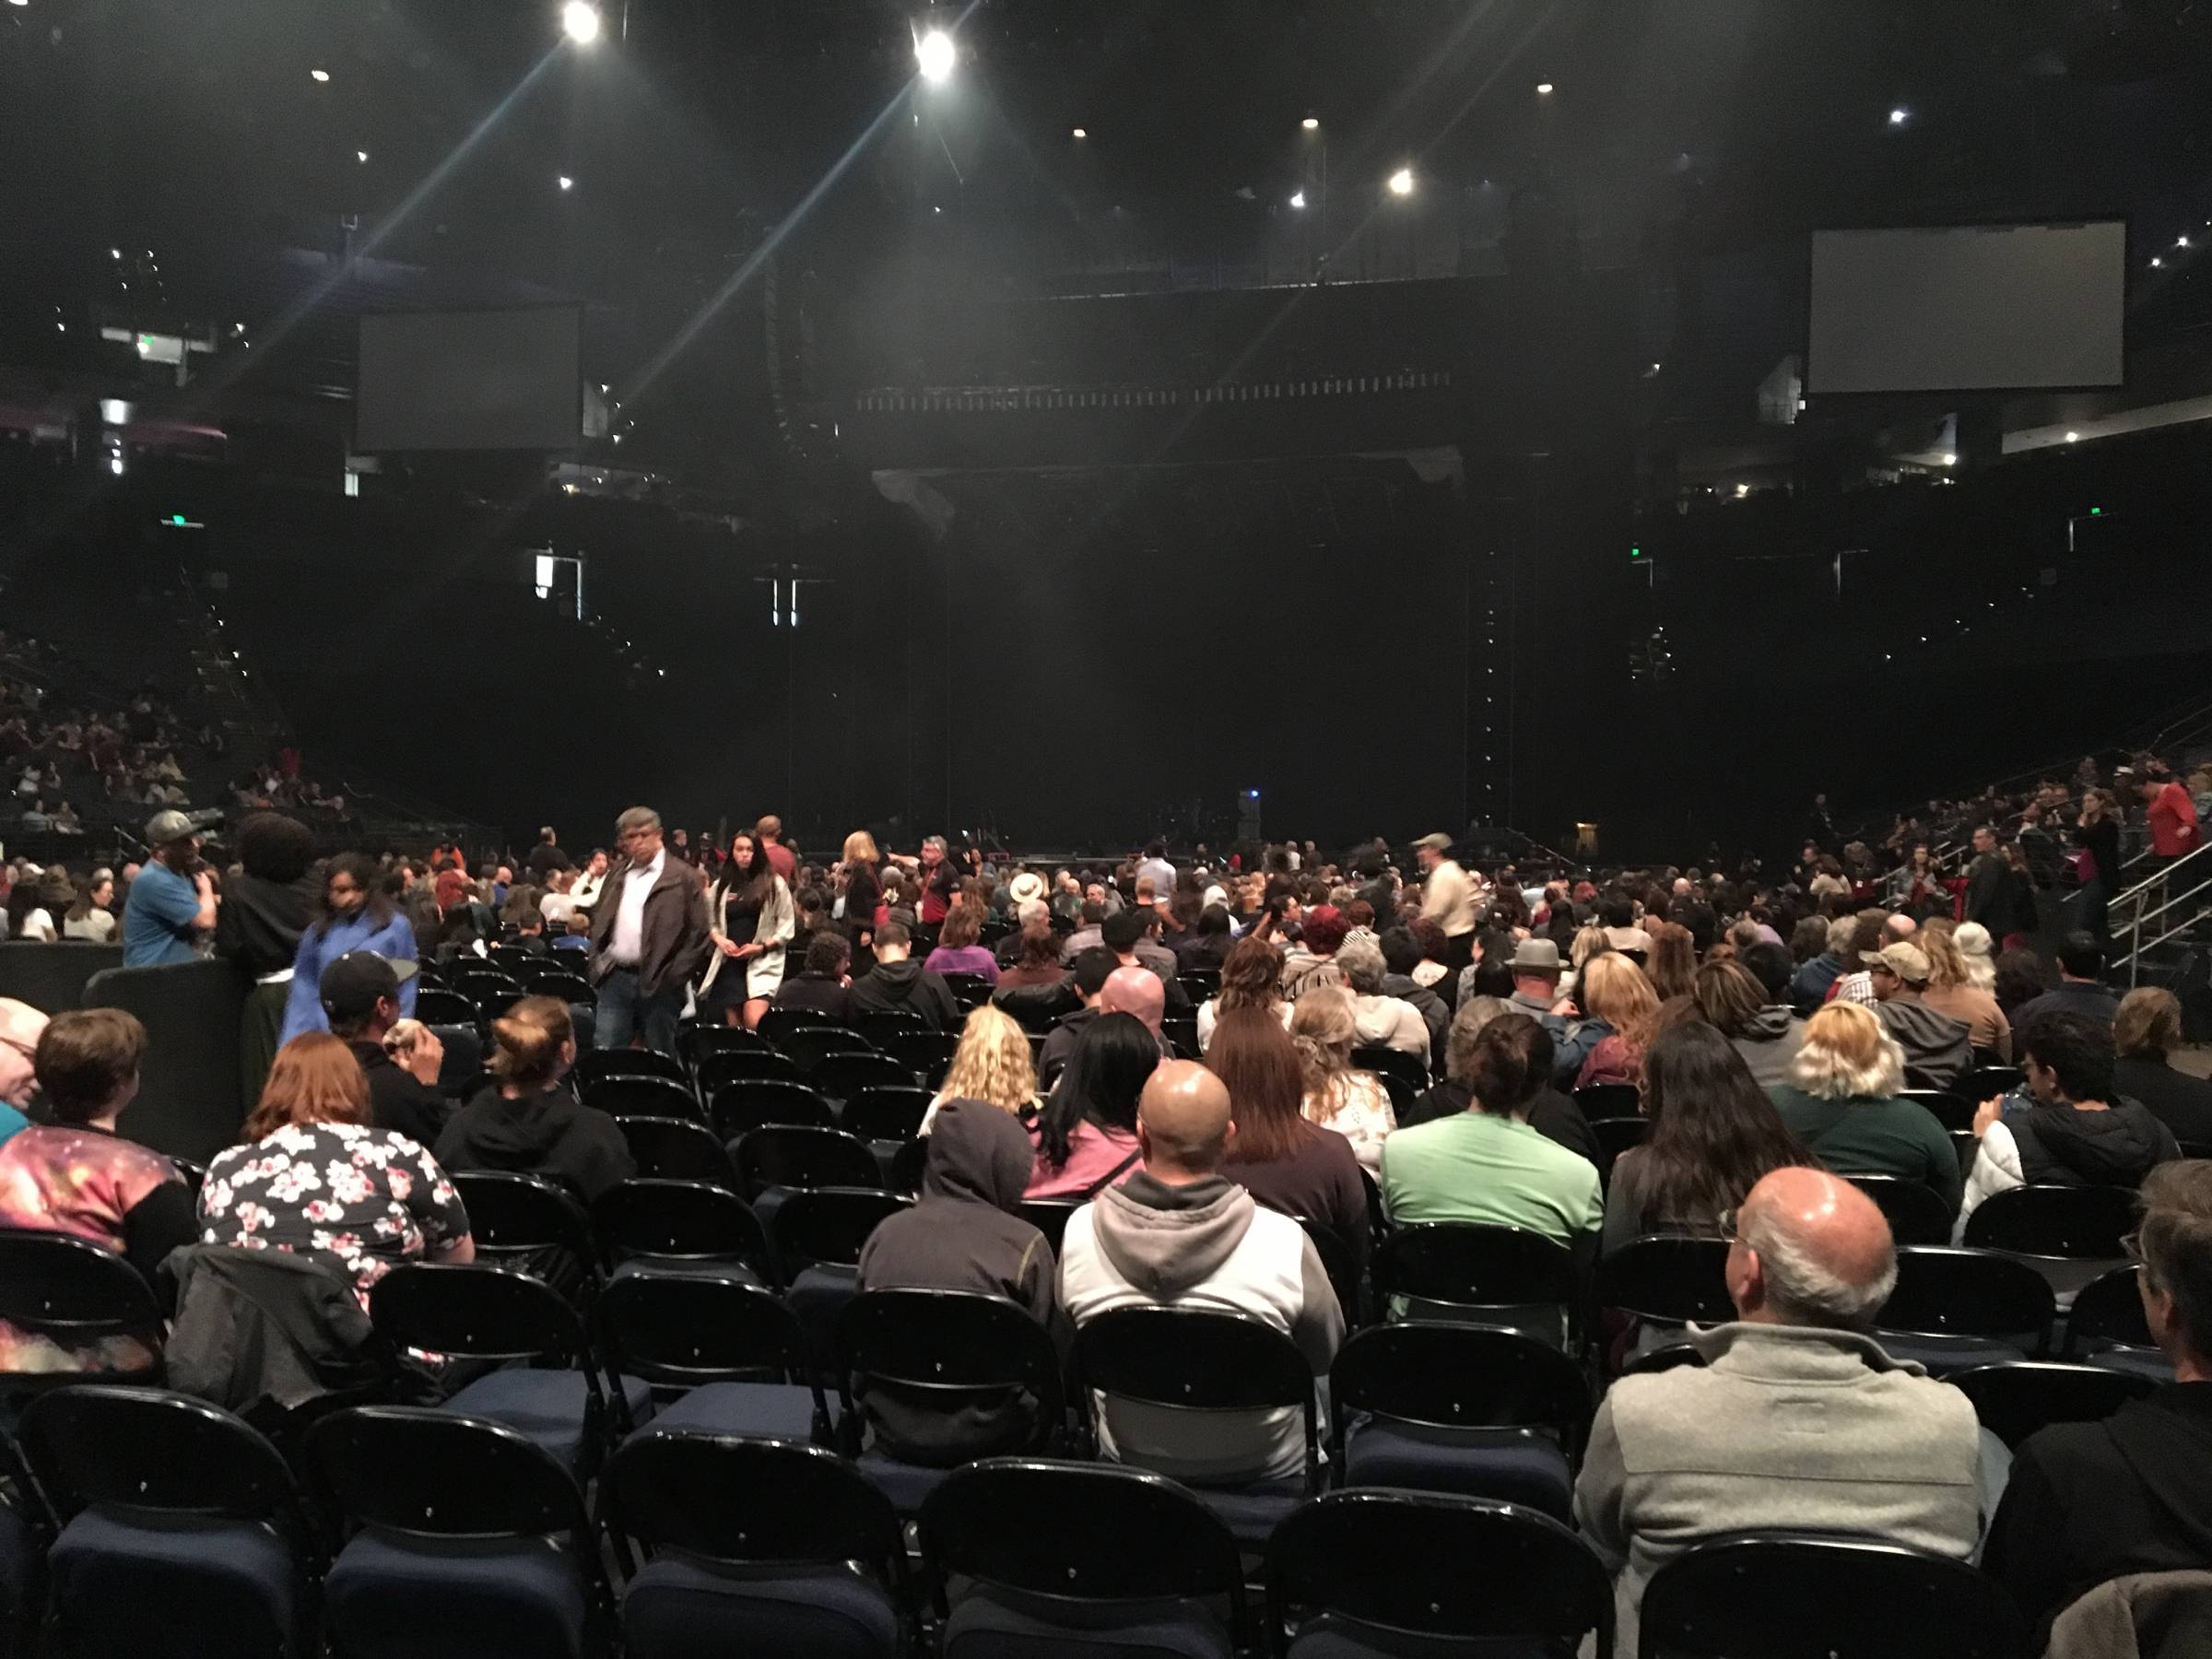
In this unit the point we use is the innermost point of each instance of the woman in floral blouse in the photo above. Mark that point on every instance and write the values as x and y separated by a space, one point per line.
314 1177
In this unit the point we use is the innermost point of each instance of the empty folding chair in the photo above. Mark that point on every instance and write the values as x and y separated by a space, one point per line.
571 988
595 1064
721 1355
1982 1082
1078 1559
809 1046
739 1107
548 1385
2072 1233
1049 1216
842 1076
753 1546
887 1113
2012 1401
672 1149
1916 1216
926 1054
463 1061
778 1024
701 1042
530 1225
1953 1309
1174 1380
1602 1102
1348 1274
80 1312
930 1379
881 1027
1952 1111
1614 1137
1388 1062
1460 1409
1810 1596
1381 1573
1497 1276
626 1094
1665 1281
817 1233
969 990
463 1540
2107 1326
780 1156
181 1531
680 1226
442 1005
734 1066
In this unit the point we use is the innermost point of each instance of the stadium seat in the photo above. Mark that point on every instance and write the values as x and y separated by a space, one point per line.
2014 1400
1174 1360
80 1296
751 1543
887 1113
1605 1102
464 1540
674 1149
681 1226
1804 1595
629 1094
1449 1408
1494 1275
1379 1573
739 1108
732 1065
181 1531
1078 1559
721 1355
595 1064
1916 1216
2107 1326
531 1224
1955 1308
1388 1063
839 1076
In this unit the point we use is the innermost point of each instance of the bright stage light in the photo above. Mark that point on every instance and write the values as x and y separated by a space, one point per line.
361 155
1899 115
1079 133
1400 181
1310 123
579 18
567 183
1543 88
934 55
1297 199
1950 459
318 74
2073 437
2180 241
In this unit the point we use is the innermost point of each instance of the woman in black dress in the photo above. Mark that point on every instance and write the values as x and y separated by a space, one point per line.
749 919
864 891
2097 832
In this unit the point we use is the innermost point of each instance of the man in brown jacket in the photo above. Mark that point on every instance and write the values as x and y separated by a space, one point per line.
649 938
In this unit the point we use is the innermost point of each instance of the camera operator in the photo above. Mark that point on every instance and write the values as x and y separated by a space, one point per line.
170 914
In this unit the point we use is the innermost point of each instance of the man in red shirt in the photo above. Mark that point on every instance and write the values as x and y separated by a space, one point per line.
769 832
940 881
2175 831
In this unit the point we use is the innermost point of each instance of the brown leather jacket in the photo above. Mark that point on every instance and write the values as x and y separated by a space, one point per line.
674 933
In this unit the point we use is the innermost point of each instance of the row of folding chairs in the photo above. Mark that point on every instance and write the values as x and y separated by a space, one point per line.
414 1532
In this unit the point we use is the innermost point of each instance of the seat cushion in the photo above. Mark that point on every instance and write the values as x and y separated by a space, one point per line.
819 1295
991 1623
545 1406
437 1599
1520 1466
730 1267
1332 1636
905 1484
2135 1363
681 1610
763 1410
1944 1354
172 1585
1251 1513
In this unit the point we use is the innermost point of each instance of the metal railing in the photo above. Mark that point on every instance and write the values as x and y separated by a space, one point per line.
2153 906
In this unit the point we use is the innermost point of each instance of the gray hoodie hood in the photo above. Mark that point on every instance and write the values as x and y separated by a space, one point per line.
1162 1240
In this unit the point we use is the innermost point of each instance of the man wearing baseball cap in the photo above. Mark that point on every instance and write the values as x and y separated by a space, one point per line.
1447 898
1937 1048
359 993
171 907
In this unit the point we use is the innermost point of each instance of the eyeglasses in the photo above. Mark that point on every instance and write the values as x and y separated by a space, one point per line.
1725 1221
2132 1247
22 1047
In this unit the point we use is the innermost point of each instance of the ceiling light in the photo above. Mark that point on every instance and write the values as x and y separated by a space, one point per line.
360 155
1400 181
1741 491
2180 241
567 183
1950 459
318 74
1079 133
580 20
2156 261
1899 115
1311 123
934 54
2073 437
1297 199
114 252
1543 88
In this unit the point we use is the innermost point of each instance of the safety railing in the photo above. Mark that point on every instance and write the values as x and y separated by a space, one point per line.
2164 906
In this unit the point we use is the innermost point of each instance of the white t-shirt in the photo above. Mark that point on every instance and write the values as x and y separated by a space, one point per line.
626 946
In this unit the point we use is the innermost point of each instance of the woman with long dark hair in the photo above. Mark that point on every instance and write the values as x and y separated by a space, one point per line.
358 914
1286 1161
2096 839
1714 1133
749 919
1087 1133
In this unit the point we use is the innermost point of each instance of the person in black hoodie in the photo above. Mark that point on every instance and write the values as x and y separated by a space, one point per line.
821 987
2087 1502
961 1234
899 981
2146 1029
2078 1133
267 903
360 998
530 1121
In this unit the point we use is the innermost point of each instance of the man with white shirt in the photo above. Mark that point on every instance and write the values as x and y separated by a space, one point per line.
1447 898
649 938
1156 866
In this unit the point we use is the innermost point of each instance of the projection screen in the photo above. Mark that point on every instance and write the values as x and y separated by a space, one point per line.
479 379
1967 307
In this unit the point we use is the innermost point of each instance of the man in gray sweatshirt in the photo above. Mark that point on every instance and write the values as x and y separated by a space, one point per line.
1797 1419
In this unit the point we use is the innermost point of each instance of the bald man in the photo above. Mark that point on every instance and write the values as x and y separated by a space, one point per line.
1179 1234
1136 991
1797 1417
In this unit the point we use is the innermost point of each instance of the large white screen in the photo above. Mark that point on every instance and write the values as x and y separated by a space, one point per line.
488 380
1967 306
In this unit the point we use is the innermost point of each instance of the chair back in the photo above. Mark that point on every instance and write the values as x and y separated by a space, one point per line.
519 1220
1983 1081
2109 1309
627 1094
743 1066
1049 1216
827 1225
842 1076
739 1108
1418 1565
463 1057
1077 1532
1798 1596
1615 1136
887 1111
674 1149
151 1448
928 1054
883 1026
1347 1277
441 1006
749 1502
1608 1103
1669 1279
947 1343
1388 1062
1943 1291
73 1292
2012 1401
701 1042
438 1474
627 1063
1475 1267
475 1312
570 987
1916 1216
1446 1375
969 990
785 1156
1952 1111
778 1024
681 1221
809 1045
2076 1223
1189 1359
679 1330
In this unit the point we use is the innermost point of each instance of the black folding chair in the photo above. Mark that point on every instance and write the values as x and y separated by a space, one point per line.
1615 1136
462 1060
676 1149
926 1054
745 1066
1459 1408
2107 1326
1072 1554
1812 1596
628 1095
788 1156
739 1108
1965 1145
548 1385
969 990
701 1042
167 1501
1347 1275
752 1544
439 1006
571 988
1603 1102
453 1523
882 1027
1916 1216
809 1046
491 994
88 1301
840 1076
1495 1276
1183 1360
2073 1223
1182 1031
778 1024
683 1225
1954 1309
1049 1216
887 1113
1952 1111
1368 1571
827 1225
947 1352
628 1063
721 1355
2014 1400
1983 1081
1388 1063
530 1225
1665 1281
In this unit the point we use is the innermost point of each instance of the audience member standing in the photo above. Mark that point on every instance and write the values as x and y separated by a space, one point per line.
357 915
750 920
172 904
1447 898
266 906
649 938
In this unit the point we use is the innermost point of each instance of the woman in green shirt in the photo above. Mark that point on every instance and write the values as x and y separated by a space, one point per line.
1841 1101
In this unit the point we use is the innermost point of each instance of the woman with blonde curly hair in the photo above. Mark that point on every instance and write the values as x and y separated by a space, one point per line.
992 1065
1951 991
1616 996
1353 1103
1841 1100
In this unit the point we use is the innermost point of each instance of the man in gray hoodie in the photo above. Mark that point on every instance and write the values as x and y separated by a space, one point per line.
1180 1234
1797 1419
1937 1048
